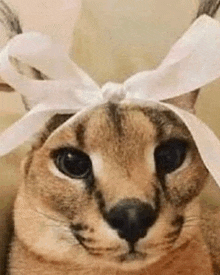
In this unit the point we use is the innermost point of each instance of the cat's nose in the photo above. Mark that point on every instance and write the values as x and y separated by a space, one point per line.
131 218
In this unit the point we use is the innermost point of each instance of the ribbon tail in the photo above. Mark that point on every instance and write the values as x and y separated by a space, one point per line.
206 141
28 126
22 130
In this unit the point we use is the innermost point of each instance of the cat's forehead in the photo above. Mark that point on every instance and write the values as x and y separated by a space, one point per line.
119 125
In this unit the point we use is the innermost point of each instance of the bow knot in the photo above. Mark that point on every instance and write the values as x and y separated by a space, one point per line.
113 92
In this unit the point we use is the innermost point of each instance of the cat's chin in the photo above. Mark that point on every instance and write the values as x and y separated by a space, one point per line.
135 261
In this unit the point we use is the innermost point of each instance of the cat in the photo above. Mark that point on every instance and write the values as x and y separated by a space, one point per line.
116 191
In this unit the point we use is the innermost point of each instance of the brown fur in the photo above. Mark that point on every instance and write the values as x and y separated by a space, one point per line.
124 137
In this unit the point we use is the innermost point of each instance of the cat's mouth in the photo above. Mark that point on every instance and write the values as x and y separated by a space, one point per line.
132 257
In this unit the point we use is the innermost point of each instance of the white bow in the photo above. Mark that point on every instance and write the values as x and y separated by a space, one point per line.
191 63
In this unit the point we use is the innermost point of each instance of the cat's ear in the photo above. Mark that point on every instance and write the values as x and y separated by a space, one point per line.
186 101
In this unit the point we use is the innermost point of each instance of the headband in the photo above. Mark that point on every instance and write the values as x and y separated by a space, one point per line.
191 63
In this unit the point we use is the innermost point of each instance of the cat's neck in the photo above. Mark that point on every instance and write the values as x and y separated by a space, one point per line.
192 258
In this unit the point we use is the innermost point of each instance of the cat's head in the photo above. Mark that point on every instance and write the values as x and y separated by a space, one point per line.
117 185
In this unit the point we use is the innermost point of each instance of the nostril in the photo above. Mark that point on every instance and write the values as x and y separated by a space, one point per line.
131 218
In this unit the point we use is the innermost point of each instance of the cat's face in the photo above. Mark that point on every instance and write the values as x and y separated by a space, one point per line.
116 186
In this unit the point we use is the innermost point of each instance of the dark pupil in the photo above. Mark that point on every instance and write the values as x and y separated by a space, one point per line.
73 163
170 155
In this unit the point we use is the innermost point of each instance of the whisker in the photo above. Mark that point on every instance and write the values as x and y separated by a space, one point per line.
46 215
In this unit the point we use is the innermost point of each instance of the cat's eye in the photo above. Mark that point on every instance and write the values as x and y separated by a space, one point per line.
72 162
170 155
